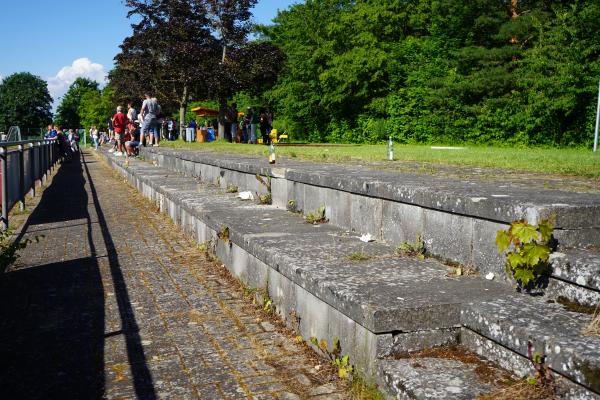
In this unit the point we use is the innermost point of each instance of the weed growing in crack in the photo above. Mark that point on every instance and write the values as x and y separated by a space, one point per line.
593 328
342 363
231 189
414 249
359 256
223 234
9 249
265 198
317 217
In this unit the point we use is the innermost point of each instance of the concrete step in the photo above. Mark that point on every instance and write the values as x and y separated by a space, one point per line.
576 276
378 306
510 322
457 219
422 378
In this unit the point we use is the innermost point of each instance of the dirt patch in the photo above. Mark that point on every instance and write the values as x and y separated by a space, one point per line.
573 306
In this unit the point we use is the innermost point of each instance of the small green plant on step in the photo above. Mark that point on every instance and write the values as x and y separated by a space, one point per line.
317 217
9 250
543 374
232 189
223 234
292 206
342 363
359 256
414 249
265 199
265 182
527 250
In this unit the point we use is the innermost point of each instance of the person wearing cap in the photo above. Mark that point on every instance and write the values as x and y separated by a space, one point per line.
119 121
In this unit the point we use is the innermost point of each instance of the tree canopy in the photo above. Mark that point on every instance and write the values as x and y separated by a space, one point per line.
24 102
67 112
183 50
477 71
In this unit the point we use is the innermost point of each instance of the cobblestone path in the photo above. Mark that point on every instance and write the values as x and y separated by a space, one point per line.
115 302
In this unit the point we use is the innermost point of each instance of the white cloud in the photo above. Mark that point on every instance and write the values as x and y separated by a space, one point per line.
82 67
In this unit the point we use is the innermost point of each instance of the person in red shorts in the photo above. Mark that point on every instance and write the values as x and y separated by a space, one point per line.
119 124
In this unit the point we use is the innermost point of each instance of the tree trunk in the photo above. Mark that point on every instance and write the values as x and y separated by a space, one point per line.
182 110
514 8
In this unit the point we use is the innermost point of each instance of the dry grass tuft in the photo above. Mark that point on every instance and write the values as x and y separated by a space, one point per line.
522 390
593 328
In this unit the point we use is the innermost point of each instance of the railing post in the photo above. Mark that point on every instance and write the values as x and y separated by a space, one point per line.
32 168
44 161
4 183
21 178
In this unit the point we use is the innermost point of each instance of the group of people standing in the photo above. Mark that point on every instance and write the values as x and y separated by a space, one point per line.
130 131
68 143
254 121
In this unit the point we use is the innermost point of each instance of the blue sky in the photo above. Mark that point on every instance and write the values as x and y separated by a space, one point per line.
61 40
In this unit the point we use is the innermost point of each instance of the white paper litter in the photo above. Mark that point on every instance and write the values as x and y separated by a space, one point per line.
367 238
490 276
246 196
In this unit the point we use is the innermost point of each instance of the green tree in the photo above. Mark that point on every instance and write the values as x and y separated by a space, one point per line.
67 112
24 102
96 107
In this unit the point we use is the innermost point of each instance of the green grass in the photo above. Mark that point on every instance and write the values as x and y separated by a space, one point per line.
577 162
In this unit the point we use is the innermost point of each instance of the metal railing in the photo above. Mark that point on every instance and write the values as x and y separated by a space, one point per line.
24 165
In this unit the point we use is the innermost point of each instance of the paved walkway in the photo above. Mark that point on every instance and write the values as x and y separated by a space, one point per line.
115 302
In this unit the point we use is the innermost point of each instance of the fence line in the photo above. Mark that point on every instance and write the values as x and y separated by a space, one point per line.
23 166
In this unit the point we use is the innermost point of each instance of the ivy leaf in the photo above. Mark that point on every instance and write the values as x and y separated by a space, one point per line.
524 232
545 228
502 240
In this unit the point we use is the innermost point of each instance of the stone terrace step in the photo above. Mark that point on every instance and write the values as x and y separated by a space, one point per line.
577 276
515 320
486 200
457 219
431 378
371 304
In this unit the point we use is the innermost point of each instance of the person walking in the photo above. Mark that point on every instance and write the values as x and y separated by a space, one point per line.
94 136
149 115
233 116
119 121
264 127
254 120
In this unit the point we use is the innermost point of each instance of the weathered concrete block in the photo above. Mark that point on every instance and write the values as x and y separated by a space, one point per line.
401 222
486 256
449 236
366 215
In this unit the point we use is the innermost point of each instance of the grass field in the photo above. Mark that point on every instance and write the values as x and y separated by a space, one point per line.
574 162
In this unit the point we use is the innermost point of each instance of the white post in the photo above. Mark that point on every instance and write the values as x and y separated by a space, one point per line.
597 120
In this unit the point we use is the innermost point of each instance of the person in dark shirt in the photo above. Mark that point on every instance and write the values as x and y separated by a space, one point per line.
132 147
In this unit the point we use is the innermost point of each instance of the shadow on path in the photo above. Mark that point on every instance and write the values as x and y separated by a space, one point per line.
52 316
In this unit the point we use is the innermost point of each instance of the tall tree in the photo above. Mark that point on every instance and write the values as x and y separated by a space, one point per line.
24 102
96 107
184 50
167 51
67 112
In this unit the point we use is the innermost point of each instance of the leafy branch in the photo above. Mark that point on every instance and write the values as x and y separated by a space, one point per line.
527 250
